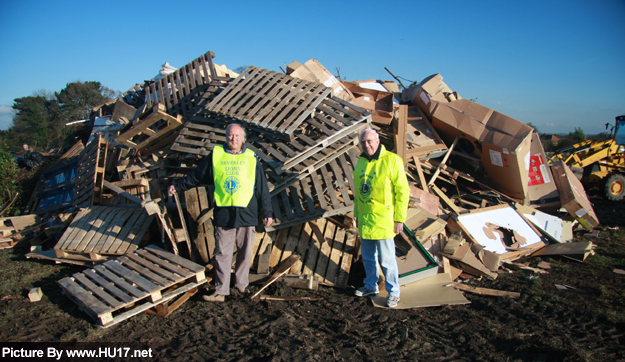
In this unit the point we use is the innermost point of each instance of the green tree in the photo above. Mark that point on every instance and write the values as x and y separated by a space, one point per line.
32 122
572 138
78 99
40 119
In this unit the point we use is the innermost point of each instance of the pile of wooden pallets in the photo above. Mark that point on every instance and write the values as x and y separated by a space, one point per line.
303 126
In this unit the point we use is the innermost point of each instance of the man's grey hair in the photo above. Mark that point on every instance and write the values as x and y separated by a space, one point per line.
242 128
362 134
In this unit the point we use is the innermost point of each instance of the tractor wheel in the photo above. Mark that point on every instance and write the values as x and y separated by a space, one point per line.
615 187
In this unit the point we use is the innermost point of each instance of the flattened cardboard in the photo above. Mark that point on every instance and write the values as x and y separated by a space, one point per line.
550 226
543 193
428 292
424 200
488 227
577 250
313 71
501 143
573 196
379 103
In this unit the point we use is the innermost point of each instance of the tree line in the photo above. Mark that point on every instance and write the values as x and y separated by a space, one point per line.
40 120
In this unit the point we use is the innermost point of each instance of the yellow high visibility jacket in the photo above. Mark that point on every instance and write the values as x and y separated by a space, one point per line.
382 195
234 177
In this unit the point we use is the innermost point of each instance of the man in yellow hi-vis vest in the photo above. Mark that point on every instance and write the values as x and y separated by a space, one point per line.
380 208
241 193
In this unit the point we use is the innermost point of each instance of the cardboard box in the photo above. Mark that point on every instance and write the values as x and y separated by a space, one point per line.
573 196
379 103
313 71
500 142
430 89
543 192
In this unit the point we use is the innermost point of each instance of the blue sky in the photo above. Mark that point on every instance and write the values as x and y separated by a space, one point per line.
556 64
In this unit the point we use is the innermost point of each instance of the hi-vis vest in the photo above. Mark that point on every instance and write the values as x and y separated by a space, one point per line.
234 177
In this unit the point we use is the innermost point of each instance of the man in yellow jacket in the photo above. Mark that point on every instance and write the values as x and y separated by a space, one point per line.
380 208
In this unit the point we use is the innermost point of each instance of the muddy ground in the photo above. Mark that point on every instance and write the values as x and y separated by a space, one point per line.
586 323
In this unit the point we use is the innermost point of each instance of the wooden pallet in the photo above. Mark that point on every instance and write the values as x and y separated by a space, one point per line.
187 88
269 100
151 128
326 251
90 173
121 288
101 232
201 225
324 192
55 188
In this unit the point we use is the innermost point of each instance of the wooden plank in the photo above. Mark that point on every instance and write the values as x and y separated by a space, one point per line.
174 258
112 232
85 226
209 230
338 175
301 247
121 271
72 229
291 241
331 191
83 297
314 245
117 281
143 271
349 252
331 276
154 267
98 291
105 284
319 190
326 249
136 235
278 245
166 264
121 242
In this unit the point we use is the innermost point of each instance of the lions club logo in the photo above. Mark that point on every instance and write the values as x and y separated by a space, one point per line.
232 185
365 188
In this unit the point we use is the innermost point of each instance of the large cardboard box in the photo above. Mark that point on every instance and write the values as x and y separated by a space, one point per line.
313 71
500 142
573 196
430 89
379 103
543 192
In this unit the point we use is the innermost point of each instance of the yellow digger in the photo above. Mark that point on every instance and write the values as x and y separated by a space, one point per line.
600 162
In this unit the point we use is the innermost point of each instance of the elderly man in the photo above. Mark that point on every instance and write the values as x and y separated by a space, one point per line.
380 208
241 194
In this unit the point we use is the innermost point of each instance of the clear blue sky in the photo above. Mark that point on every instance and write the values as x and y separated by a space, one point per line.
556 64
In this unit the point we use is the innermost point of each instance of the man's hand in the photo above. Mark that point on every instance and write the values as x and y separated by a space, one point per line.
399 226
172 190
268 221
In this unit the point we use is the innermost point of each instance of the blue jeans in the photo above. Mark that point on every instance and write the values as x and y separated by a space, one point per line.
385 250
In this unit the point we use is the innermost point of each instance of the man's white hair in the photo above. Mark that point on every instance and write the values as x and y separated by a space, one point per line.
362 134
236 124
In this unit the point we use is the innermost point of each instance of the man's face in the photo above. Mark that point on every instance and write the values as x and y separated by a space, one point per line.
370 143
235 139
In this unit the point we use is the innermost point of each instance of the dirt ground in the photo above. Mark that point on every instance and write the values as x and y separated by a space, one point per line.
584 323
